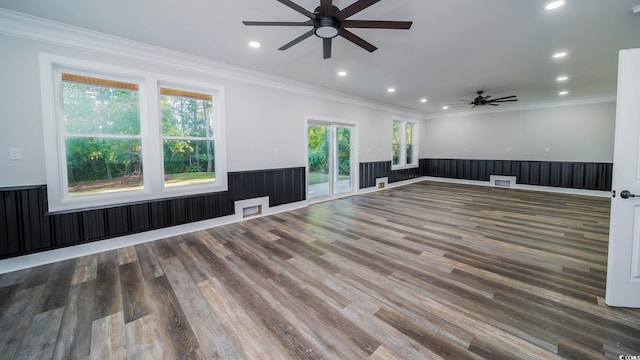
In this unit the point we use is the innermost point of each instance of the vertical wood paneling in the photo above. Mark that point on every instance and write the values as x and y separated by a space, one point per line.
118 221
591 176
9 223
25 225
13 224
67 229
534 172
371 171
555 177
545 173
140 218
94 226
160 214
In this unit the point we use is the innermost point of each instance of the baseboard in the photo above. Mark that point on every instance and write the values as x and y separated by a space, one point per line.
71 252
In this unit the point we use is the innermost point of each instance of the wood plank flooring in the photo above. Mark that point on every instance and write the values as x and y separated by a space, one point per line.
426 271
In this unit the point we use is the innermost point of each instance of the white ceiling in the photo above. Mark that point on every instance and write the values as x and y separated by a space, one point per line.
454 48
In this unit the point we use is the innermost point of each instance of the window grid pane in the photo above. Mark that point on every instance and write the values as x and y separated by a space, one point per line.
396 143
97 165
96 110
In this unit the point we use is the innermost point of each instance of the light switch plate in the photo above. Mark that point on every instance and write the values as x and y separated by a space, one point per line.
15 154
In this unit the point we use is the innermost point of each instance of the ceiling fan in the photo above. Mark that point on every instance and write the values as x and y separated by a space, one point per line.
328 22
486 100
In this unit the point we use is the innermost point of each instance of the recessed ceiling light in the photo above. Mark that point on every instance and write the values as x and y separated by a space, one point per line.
562 78
563 93
445 108
254 44
636 9
554 5
342 73
559 55
391 90
423 100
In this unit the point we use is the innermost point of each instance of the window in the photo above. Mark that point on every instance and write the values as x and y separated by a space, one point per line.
404 144
117 135
102 137
187 137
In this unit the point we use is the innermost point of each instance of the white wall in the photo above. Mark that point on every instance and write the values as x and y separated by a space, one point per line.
580 132
265 124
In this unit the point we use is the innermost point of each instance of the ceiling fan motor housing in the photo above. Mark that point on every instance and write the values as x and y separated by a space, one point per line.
327 27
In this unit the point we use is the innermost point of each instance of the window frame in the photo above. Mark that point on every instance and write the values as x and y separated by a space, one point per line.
403 144
215 119
51 66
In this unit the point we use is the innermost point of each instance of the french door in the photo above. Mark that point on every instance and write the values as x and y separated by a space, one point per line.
330 160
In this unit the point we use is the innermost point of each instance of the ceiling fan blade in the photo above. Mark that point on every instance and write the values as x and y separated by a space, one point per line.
458 105
492 104
297 40
505 97
375 24
487 97
499 101
357 40
298 8
354 8
278 23
326 44
467 101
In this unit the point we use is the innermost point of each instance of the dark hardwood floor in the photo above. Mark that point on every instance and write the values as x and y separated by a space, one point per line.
425 271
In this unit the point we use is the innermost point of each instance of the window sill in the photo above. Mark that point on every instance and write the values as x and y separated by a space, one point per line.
125 198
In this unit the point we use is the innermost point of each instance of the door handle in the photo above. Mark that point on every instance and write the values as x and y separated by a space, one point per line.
625 194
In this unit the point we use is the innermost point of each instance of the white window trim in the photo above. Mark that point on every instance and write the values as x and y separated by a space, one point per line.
403 144
150 131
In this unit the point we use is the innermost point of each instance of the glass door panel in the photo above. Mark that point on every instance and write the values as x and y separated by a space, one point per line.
318 178
342 177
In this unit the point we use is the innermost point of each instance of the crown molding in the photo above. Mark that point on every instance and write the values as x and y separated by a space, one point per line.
527 106
34 28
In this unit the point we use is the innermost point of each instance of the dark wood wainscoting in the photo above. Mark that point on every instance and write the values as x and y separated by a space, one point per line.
25 226
370 171
577 175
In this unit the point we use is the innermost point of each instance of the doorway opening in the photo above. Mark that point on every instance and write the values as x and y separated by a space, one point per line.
330 160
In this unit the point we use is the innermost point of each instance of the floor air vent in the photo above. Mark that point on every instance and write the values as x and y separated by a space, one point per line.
251 211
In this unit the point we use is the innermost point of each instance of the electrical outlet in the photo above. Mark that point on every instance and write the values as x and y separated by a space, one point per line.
15 154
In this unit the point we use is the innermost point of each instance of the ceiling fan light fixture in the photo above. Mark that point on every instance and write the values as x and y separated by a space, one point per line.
327 28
